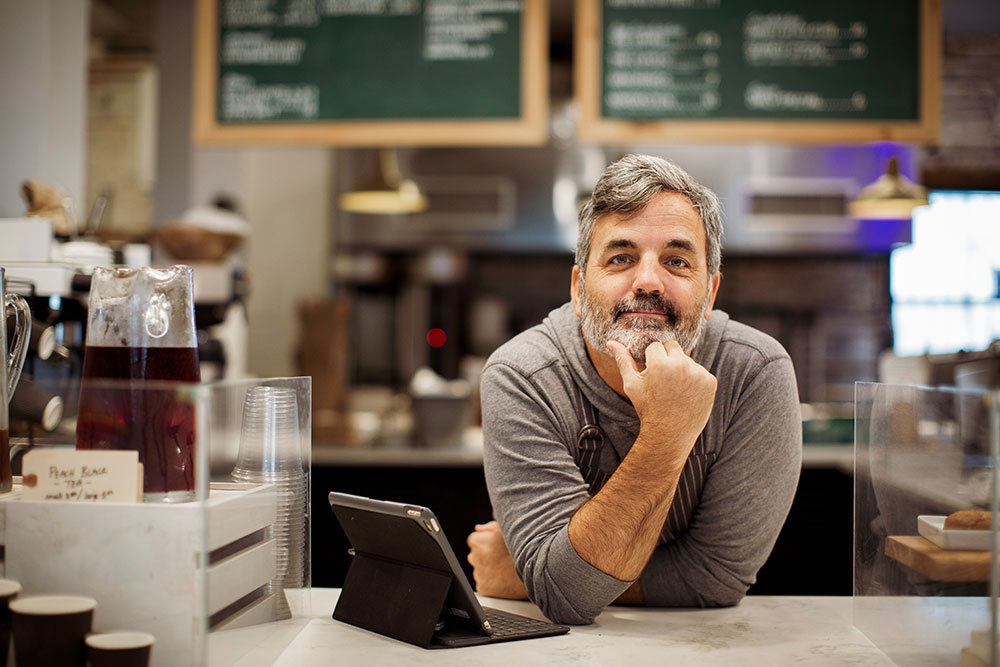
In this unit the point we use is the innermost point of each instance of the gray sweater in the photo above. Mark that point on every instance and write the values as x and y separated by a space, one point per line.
746 466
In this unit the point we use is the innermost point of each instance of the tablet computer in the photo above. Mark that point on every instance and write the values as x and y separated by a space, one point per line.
405 580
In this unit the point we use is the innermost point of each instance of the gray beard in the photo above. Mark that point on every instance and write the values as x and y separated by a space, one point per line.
637 334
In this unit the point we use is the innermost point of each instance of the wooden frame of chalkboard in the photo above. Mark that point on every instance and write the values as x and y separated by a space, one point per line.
919 122
526 126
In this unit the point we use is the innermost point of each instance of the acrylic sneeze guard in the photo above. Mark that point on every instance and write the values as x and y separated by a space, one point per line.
191 573
925 595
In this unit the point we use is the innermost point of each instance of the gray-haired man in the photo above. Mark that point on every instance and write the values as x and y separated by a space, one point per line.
639 446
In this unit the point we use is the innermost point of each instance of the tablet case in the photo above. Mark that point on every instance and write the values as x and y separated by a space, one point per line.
396 599
404 577
399 578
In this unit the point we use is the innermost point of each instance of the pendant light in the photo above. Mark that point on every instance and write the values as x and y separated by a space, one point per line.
891 196
385 191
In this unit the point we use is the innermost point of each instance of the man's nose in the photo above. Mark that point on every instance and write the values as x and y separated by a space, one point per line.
648 278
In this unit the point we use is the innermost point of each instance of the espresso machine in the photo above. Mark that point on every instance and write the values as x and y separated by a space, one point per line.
54 279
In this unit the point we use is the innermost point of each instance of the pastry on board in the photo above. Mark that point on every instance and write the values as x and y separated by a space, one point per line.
968 520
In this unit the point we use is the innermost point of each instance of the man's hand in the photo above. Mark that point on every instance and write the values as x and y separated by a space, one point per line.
673 394
492 566
616 530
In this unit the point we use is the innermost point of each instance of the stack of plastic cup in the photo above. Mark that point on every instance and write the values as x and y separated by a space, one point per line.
269 453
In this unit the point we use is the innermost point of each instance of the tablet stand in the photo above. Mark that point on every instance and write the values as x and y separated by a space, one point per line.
392 598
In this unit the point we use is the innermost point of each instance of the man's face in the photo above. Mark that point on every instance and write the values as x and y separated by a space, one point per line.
647 278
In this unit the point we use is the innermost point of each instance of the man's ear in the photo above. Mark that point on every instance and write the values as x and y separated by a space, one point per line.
716 281
574 290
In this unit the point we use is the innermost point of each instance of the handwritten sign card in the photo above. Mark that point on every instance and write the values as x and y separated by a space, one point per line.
82 476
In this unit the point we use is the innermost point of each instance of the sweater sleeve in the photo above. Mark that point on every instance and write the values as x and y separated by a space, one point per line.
536 488
747 494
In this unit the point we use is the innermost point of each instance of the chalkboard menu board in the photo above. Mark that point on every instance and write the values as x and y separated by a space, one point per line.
779 70
372 72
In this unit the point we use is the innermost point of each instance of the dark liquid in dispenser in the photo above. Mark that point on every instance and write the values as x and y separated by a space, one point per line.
153 422
6 479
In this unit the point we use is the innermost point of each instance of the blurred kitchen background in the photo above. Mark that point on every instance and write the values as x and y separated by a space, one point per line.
393 315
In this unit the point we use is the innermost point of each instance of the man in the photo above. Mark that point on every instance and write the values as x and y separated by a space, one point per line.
639 446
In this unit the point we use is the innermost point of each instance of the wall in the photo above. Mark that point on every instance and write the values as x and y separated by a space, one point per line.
174 22
43 75
286 199
284 195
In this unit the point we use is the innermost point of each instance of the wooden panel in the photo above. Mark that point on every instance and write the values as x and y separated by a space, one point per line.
936 563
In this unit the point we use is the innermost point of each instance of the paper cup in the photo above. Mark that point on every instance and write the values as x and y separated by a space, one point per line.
119 649
49 629
9 589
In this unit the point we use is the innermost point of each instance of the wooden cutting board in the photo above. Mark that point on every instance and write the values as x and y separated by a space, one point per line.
936 563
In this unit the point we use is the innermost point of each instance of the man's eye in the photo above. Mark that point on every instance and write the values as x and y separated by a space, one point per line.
677 262
620 259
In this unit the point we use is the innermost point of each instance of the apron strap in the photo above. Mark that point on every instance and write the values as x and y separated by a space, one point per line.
590 442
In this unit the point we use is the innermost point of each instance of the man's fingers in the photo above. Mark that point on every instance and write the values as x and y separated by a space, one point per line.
656 352
485 541
492 525
626 364
473 539
672 346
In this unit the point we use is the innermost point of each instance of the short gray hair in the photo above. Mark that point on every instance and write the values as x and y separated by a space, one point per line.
627 185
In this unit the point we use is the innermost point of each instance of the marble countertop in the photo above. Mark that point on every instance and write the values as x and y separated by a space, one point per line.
759 631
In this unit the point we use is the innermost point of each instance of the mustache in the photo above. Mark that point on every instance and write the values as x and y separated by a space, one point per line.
649 302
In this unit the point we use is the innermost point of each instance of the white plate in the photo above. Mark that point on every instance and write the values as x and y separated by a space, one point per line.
932 528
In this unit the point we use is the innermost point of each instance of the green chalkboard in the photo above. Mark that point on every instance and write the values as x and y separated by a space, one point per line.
327 63
761 60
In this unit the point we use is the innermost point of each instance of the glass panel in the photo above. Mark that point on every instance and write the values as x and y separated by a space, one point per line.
922 587
141 561
222 541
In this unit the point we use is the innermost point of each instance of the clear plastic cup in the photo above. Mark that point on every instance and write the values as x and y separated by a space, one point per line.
270 454
269 440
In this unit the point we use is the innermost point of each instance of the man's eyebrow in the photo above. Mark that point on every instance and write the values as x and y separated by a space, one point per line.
683 244
627 244
615 244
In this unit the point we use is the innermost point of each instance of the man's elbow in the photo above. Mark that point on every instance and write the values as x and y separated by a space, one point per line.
559 607
724 597
704 597
568 615
564 586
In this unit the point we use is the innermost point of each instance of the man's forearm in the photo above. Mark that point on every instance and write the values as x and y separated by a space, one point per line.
617 530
